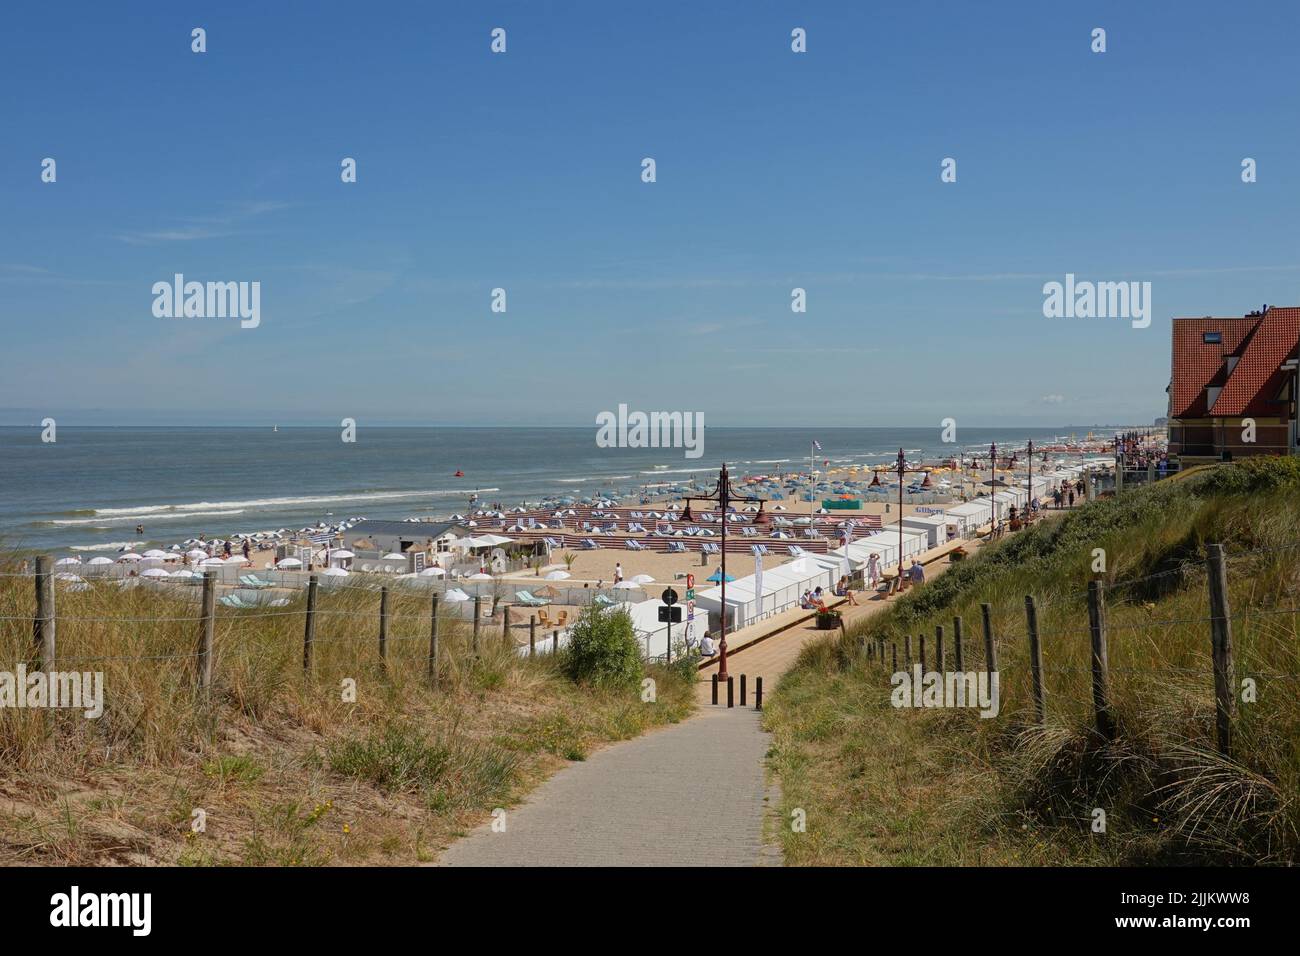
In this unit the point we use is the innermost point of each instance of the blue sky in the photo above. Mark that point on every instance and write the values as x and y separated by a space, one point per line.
522 171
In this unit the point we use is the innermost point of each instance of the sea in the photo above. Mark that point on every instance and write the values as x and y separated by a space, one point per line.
89 490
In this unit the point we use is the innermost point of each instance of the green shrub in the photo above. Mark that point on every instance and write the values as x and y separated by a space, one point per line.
603 650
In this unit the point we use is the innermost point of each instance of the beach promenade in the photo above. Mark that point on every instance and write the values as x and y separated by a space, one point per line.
694 794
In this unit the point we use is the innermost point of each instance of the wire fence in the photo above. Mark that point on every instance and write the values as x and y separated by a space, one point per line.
1237 647
51 627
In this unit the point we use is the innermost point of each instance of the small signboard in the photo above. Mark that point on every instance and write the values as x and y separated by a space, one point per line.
670 615
669 596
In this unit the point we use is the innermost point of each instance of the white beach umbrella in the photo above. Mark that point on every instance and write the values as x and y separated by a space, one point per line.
342 553
154 573
65 576
394 556
196 554
643 579
155 553
211 563
288 563
183 573
335 573
130 556
432 572
237 559
100 561
64 561
626 586
455 595
479 576
558 576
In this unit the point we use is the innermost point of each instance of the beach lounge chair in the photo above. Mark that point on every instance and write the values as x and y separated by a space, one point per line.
602 600
634 545
526 597
253 581
234 600
590 545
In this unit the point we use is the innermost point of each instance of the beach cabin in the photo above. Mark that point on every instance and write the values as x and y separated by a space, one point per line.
969 517
740 606
884 544
935 528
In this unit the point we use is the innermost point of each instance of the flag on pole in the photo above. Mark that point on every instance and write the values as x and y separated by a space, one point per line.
817 445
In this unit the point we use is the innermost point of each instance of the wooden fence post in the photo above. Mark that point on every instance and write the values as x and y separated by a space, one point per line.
938 648
1221 646
907 651
1100 660
207 624
383 625
893 656
555 642
478 616
920 638
43 623
309 632
956 644
1035 659
505 625
990 646
433 641
532 635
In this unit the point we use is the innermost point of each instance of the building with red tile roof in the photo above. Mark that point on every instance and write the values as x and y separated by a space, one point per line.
1232 386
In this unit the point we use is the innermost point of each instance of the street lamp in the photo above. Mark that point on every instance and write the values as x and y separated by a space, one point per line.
993 486
1029 502
902 472
724 495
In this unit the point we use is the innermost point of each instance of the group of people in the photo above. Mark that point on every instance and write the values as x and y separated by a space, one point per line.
813 600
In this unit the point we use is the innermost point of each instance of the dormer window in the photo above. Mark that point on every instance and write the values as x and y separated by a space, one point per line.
1212 338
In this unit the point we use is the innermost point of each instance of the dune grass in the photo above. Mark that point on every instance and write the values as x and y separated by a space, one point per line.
271 767
884 786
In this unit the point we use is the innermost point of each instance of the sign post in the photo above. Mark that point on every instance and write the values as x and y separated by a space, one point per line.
669 598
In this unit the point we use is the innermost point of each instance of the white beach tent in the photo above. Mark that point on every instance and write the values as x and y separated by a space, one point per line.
935 527
740 604
969 516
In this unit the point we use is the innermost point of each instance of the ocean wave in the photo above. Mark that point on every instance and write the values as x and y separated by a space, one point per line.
106 546
678 471
287 502
143 516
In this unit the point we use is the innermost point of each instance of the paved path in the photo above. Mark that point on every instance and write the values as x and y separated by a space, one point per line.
692 794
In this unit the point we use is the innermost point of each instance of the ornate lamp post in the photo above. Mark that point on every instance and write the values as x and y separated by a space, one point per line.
902 472
724 495
993 486
1029 502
